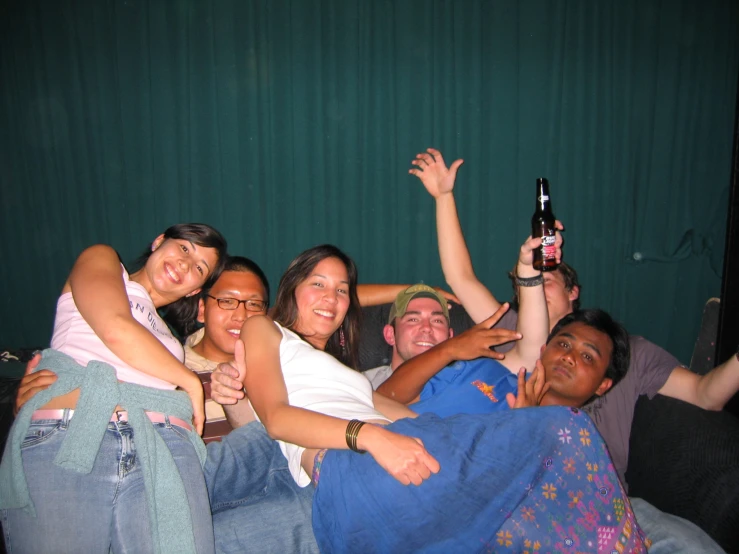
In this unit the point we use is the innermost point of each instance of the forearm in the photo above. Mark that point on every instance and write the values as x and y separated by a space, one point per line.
717 387
533 319
375 294
391 409
456 262
239 414
305 428
137 347
408 380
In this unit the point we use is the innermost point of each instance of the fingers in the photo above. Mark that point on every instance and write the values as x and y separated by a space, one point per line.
31 385
228 370
511 399
198 424
33 363
447 295
225 389
456 164
430 463
521 380
495 318
530 244
240 358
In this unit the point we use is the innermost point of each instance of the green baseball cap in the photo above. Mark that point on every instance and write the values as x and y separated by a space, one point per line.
420 290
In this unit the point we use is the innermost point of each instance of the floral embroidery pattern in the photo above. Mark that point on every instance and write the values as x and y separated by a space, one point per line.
504 538
578 507
564 436
569 465
487 390
549 491
585 437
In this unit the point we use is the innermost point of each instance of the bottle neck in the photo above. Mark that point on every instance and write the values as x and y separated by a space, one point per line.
543 203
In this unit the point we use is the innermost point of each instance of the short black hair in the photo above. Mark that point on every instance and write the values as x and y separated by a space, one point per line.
603 322
242 264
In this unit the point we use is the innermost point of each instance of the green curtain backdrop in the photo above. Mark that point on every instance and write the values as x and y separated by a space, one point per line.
288 123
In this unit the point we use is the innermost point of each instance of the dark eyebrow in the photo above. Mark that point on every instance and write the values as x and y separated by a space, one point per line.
588 344
324 277
195 251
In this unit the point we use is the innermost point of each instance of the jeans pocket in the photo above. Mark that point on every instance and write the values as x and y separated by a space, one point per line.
40 431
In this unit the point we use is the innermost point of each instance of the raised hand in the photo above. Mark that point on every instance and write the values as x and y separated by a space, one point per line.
433 172
477 341
531 391
526 254
405 458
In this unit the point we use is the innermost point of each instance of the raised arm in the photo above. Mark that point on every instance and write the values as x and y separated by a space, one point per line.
533 316
403 457
97 286
408 379
376 294
456 263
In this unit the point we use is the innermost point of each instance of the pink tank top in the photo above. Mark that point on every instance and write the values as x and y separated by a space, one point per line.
74 337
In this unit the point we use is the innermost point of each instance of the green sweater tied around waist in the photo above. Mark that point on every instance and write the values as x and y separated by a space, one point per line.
100 393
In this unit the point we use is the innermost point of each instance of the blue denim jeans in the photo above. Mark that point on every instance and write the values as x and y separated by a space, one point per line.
105 510
671 534
256 504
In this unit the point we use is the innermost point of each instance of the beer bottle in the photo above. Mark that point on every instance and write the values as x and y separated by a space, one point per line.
542 225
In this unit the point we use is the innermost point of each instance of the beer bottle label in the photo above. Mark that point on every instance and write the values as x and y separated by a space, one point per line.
547 247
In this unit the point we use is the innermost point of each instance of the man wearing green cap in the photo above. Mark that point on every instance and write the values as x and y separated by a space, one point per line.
419 320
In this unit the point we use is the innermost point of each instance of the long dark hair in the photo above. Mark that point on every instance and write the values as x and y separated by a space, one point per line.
181 315
286 307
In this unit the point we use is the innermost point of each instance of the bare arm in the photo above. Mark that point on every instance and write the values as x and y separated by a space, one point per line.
100 295
455 257
533 316
374 294
711 391
390 408
403 457
407 381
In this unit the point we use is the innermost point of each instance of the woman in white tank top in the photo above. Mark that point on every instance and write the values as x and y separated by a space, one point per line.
515 476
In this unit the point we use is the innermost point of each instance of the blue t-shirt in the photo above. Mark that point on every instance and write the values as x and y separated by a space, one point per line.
474 387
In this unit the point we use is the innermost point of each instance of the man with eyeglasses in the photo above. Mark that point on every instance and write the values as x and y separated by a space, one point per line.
240 292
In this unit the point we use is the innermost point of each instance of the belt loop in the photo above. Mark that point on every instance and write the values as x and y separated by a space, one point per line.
66 416
167 422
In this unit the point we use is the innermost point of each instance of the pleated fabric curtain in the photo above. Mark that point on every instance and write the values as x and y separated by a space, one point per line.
288 123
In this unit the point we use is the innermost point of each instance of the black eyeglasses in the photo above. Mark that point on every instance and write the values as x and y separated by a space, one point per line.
233 303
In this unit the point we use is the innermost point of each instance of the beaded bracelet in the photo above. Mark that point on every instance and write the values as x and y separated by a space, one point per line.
352 430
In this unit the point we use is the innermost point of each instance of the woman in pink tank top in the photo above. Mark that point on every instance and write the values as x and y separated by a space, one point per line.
124 502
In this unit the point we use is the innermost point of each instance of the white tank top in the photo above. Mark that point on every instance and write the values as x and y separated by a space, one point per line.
317 381
74 337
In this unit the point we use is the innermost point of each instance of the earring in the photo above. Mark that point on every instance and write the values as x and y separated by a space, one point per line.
342 339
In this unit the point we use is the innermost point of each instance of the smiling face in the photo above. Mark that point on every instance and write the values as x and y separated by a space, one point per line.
422 327
575 361
322 300
176 268
223 327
